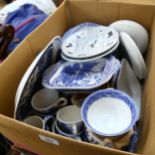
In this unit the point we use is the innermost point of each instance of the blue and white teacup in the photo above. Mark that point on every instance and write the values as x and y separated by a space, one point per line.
47 100
69 119
57 130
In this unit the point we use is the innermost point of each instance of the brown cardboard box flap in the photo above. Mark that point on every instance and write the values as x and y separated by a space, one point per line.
68 14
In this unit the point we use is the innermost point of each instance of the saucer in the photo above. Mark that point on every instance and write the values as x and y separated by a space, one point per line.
80 76
87 40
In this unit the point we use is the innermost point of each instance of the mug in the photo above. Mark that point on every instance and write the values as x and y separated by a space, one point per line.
69 119
46 100
36 121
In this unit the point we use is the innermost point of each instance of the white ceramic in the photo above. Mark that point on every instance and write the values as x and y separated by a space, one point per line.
109 112
22 88
87 40
92 58
35 121
134 54
135 30
128 83
46 100
69 119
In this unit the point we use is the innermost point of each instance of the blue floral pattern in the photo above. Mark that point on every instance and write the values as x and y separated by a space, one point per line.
78 76
108 93
35 77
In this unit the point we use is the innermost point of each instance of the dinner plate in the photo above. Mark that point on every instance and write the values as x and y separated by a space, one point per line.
134 54
38 66
92 58
138 33
128 83
87 40
80 76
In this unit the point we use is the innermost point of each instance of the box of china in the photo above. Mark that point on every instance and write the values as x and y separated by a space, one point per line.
71 13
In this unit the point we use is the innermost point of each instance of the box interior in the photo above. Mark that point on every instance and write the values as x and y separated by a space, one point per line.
69 14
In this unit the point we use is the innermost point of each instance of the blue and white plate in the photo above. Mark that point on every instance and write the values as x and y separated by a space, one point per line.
109 112
27 85
111 51
80 76
87 40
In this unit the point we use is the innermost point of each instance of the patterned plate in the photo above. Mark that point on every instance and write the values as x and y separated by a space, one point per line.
33 74
87 40
74 76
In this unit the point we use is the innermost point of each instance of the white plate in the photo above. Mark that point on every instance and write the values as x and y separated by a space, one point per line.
87 40
31 74
134 55
93 58
135 30
128 83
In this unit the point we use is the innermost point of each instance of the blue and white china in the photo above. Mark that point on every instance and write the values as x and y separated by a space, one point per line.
109 112
69 119
128 83
92 58
135 30
46 100
87 40
57 130
35 121
80 76
117 142
27 85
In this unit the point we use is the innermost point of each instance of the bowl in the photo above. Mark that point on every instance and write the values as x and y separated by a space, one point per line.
109 112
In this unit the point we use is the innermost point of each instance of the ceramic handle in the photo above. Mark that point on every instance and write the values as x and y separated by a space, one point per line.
62 102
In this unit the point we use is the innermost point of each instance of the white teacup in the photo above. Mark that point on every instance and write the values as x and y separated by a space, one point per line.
46 100
35 121
69 119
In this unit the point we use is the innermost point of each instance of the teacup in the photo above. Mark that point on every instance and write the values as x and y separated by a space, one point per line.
57 130
46 100
36 121
69 119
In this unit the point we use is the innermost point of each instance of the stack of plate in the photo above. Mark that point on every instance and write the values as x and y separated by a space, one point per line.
88 42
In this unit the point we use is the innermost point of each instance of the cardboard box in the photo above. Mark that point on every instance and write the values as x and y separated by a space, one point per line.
70 13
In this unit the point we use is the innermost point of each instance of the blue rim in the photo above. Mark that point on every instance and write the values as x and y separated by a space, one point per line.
108 93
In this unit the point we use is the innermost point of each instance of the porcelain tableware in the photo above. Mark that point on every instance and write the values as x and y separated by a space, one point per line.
36 121
69 119
94 58
117 142
46 100
26 87
138 33
128 83
109 112
80 76
94 39
134 54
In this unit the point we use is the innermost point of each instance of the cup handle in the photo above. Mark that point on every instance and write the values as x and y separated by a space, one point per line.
62 102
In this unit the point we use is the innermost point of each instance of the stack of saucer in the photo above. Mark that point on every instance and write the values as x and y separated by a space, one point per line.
88 42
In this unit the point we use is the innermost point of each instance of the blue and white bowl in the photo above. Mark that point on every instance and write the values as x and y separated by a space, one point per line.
109 112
